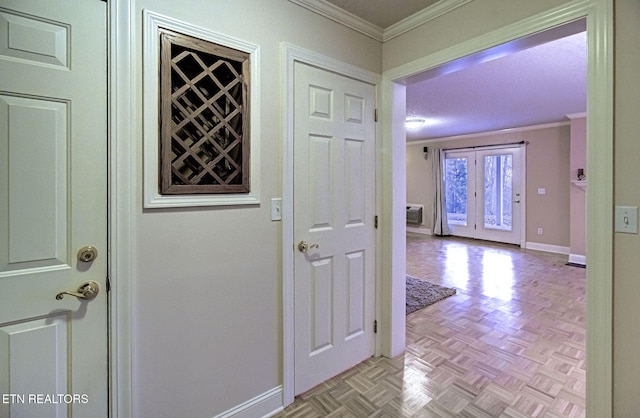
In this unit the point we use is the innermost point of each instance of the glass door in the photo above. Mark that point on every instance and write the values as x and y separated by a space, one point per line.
459 193
499 195
483 193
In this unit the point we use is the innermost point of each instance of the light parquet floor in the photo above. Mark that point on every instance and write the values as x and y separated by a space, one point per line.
510 343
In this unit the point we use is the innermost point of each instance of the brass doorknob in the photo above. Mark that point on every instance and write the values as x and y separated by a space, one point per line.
86 291
304 246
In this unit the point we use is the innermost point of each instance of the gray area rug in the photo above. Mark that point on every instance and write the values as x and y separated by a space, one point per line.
421 293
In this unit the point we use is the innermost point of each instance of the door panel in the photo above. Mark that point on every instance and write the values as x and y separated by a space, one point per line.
498 191
53 158
37 237
460 186
334 192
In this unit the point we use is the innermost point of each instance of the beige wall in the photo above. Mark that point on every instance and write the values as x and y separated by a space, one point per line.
626 347
207 282
547 167
207 298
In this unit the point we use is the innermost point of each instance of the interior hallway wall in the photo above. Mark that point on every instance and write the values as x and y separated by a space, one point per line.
207 302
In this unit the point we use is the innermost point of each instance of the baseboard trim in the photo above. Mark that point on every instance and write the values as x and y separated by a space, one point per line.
265 405
578 259
424 231
557 249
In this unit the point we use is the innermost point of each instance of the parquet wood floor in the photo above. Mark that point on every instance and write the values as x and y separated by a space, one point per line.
510 343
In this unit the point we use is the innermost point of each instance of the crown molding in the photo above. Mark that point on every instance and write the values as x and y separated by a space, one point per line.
515 130
339 15
577 115
419 18
343 17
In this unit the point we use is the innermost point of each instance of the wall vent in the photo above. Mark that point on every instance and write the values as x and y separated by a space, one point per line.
414 214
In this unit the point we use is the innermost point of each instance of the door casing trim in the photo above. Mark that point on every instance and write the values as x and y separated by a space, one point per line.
290 55
122 176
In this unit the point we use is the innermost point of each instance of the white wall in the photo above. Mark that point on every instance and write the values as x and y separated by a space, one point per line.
207 285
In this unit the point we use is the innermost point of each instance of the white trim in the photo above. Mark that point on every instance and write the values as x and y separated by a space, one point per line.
549 248
345 18
577 115
424 231
264 405
490 133
341 16
523 196
420 18
290 55
599 251
578 259
122 177
599 14
152 198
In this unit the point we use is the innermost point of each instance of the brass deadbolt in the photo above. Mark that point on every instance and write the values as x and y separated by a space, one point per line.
87 254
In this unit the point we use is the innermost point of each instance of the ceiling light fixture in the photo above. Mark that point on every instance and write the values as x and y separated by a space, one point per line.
413 124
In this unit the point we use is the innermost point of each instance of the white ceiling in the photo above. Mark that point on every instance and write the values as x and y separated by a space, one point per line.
531 81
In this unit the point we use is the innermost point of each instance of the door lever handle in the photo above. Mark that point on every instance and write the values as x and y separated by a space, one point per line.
304 246
86 291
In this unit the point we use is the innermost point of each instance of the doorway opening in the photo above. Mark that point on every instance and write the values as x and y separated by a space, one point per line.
599 200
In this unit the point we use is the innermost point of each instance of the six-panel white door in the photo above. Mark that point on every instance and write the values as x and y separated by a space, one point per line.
53 201
334 201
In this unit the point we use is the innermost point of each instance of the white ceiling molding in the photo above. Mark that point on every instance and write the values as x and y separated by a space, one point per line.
343 17
339 15
405 25
517 130
577 115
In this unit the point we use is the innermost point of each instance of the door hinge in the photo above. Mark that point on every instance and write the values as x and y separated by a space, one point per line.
375 221
375 326
108 284
375 115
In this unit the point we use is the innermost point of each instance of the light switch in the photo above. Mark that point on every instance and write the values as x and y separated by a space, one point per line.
627 219
542 190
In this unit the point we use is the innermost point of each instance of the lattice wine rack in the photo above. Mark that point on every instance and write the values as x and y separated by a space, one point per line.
204 116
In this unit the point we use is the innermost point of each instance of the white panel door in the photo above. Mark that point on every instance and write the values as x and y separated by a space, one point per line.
483 193
334 198
53 155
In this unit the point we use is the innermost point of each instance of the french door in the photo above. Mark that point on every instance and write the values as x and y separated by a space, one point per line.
484 193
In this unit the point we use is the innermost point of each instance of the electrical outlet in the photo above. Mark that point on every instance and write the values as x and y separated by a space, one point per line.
540 231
